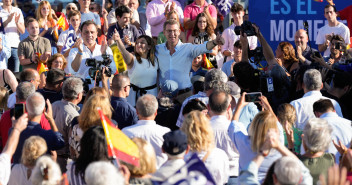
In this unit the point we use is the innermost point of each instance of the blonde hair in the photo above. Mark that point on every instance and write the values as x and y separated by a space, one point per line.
39 15
4 95
259 127
90 116
33 148
199 133
147 159
286 112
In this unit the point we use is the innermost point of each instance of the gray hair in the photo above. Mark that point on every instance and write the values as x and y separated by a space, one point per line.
24 90
214 75
219 101
71 4
288 171
317 135
147 105
103 173
312 80
54 172
35 104
217 86
71 88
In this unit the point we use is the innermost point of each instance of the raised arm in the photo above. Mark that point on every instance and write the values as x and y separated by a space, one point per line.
245 46
217 41
267 51
127 56
18 126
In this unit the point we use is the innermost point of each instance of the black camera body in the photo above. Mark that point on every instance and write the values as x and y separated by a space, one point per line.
257 55
97 67
266 83
246 27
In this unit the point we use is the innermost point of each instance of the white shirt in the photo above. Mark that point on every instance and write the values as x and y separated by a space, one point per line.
112 17
342 131
87 54
11 28
5 170
220 125
63 36
19 175
230 38
217 163
304 107
11 101
340 29
151 132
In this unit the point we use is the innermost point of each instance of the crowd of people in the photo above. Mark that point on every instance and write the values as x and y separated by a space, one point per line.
191 89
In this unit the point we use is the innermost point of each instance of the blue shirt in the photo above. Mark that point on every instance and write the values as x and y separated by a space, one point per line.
54 140
178 65
90 16
124 113
239 135
5 52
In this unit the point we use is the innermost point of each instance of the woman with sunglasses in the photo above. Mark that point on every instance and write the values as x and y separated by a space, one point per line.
142 67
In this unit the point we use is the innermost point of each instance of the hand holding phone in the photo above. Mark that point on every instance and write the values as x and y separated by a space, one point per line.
19 110
253 97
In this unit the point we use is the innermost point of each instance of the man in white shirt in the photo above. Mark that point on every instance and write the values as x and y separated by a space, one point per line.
312 83
146 128
13 23
237 13
219 108
333 27
341 127
90 49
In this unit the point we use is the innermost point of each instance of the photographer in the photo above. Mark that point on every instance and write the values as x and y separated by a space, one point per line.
91 50
338 51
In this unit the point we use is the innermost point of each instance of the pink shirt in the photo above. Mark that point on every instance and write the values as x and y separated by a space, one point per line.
191 11
155 15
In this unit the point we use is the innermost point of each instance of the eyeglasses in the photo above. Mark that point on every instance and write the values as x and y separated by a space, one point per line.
129 85
91 8
70 8
58 62
171 31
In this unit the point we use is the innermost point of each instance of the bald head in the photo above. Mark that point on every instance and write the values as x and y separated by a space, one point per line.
119 82
219 101
301 38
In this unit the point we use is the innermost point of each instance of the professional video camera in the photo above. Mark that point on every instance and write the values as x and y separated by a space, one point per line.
97 67
257 55
266 83
246 27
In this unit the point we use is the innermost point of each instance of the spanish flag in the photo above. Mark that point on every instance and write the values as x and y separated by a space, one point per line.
119 145
41 65
62 22
206 63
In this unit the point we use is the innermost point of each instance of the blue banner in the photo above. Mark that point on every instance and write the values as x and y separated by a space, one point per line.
70 40
194 172
280 19
223 6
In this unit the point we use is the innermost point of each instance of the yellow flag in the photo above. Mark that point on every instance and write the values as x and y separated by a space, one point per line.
120 63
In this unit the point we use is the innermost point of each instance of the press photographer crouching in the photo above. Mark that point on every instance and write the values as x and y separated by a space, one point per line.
89 59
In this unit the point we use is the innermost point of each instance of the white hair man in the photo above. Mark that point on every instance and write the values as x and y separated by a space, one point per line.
65 111
312 83
146 128
103 173
35 106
